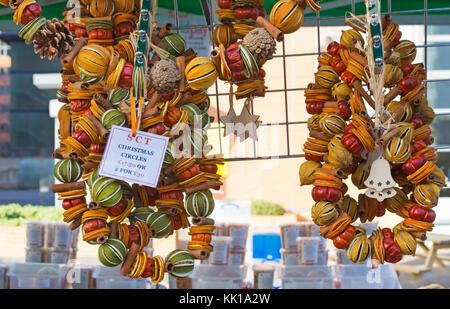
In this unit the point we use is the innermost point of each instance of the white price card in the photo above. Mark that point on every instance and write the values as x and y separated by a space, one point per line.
135 159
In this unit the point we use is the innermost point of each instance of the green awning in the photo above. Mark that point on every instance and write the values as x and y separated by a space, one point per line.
330 9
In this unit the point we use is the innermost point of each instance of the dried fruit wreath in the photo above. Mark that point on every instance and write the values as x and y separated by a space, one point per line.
378 153
111 78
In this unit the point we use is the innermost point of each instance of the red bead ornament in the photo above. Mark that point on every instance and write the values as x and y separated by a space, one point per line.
118 208
337 64
100 34
123 29
314 107
417 146
30 12
134 235
349 78
408 83
407 68
332 195
419 213
343 240
82 138
352 143
413 164
225 4
189 173
172 195
344 110
93 225
80 32
393 254
67 204
334 48
79 105
158 129
126 78
98 148
172 116
210 168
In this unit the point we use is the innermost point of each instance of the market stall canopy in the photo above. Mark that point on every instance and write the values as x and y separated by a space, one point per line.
407 12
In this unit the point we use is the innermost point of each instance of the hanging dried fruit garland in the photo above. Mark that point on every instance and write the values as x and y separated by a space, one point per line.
110 79
246 41
344 141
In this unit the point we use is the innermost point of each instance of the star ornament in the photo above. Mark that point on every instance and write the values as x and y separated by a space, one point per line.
229 123
246 124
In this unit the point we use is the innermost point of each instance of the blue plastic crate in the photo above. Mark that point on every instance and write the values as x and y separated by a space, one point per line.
266 246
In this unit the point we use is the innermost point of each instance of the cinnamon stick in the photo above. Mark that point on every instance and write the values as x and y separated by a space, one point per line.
200 254
367 117
189 54
76 223
126 110
94 205
129 260
429 140
396 115
392 95
166 181
276 33
181 65
313 86
103 132
215 58
165 30
71 186
114 226
103 102
185 98
357 85
101 239
319 135
382 141
155 58
75 50
155 98
359 58
419 235
89 166
210 184
65 155
202 221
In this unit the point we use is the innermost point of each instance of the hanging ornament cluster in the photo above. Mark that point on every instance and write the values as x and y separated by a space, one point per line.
389 156
120 68
246 40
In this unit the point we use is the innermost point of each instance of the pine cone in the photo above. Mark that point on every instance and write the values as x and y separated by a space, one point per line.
165 76
261 44
53 40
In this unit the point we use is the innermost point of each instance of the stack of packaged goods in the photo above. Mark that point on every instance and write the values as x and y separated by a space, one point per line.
230 244
302 245
4 284
238 246
50 242
34 250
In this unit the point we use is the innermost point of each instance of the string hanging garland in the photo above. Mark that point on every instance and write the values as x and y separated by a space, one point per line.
246 41
110 77
393 149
